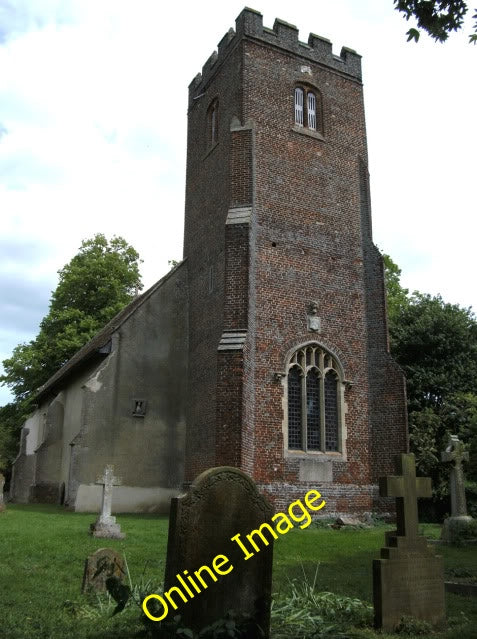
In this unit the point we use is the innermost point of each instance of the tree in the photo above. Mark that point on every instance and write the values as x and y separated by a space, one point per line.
396 295
12 417
93 287
100 280
438 17
436 345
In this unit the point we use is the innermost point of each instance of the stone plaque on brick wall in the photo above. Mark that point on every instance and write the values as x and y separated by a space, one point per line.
222 503
99 566
408 580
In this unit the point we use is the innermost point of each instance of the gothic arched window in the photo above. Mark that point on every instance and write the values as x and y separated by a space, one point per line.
314 389
308 111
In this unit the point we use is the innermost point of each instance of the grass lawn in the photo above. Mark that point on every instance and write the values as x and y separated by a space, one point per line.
43 548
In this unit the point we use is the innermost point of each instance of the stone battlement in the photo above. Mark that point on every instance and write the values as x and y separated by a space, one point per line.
283 35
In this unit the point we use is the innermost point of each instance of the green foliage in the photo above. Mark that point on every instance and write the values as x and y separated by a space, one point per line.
459 531
234 626
471 467
438 18
93 287
305 612
436 345
167 629
473 36
100 280
427 439
12 417
463 574
413 627
42 571
471 493
99 607
396 295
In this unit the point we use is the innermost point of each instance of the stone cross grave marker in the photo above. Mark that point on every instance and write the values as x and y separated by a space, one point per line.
406 488
102 564
221 503
455 453
409 578
2 484
455 525
105 525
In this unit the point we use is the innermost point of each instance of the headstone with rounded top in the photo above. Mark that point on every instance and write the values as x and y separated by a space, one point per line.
102 564
222 503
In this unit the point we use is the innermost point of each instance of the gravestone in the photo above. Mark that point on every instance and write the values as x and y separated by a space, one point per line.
220 504
99 566
408 580
2 484
106 526
459 522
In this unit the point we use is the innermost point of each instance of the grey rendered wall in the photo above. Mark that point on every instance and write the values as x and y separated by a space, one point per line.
48 455
23 472
149 363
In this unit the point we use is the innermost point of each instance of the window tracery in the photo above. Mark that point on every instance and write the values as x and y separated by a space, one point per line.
314 390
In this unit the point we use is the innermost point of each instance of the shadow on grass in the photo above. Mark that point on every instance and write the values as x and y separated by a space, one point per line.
55 509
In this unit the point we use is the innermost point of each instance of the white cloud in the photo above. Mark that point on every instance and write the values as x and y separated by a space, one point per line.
93 102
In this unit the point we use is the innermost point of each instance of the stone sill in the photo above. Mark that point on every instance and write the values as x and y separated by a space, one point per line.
318 456
309 133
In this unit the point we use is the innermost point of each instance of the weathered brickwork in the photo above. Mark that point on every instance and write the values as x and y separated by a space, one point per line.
280 216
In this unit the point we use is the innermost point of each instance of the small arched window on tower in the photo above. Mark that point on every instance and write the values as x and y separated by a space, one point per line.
213 122
314 401
308 110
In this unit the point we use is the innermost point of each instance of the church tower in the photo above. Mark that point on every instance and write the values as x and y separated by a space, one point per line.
290 377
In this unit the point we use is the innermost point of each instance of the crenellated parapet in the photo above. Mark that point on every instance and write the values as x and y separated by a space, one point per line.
284 36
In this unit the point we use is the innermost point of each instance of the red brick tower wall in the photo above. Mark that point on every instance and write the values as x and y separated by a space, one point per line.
278 216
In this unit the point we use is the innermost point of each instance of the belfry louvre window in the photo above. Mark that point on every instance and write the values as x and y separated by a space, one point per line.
314 408
308 109
311 103
299 106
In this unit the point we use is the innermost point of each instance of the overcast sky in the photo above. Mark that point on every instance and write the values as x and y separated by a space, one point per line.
93 97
